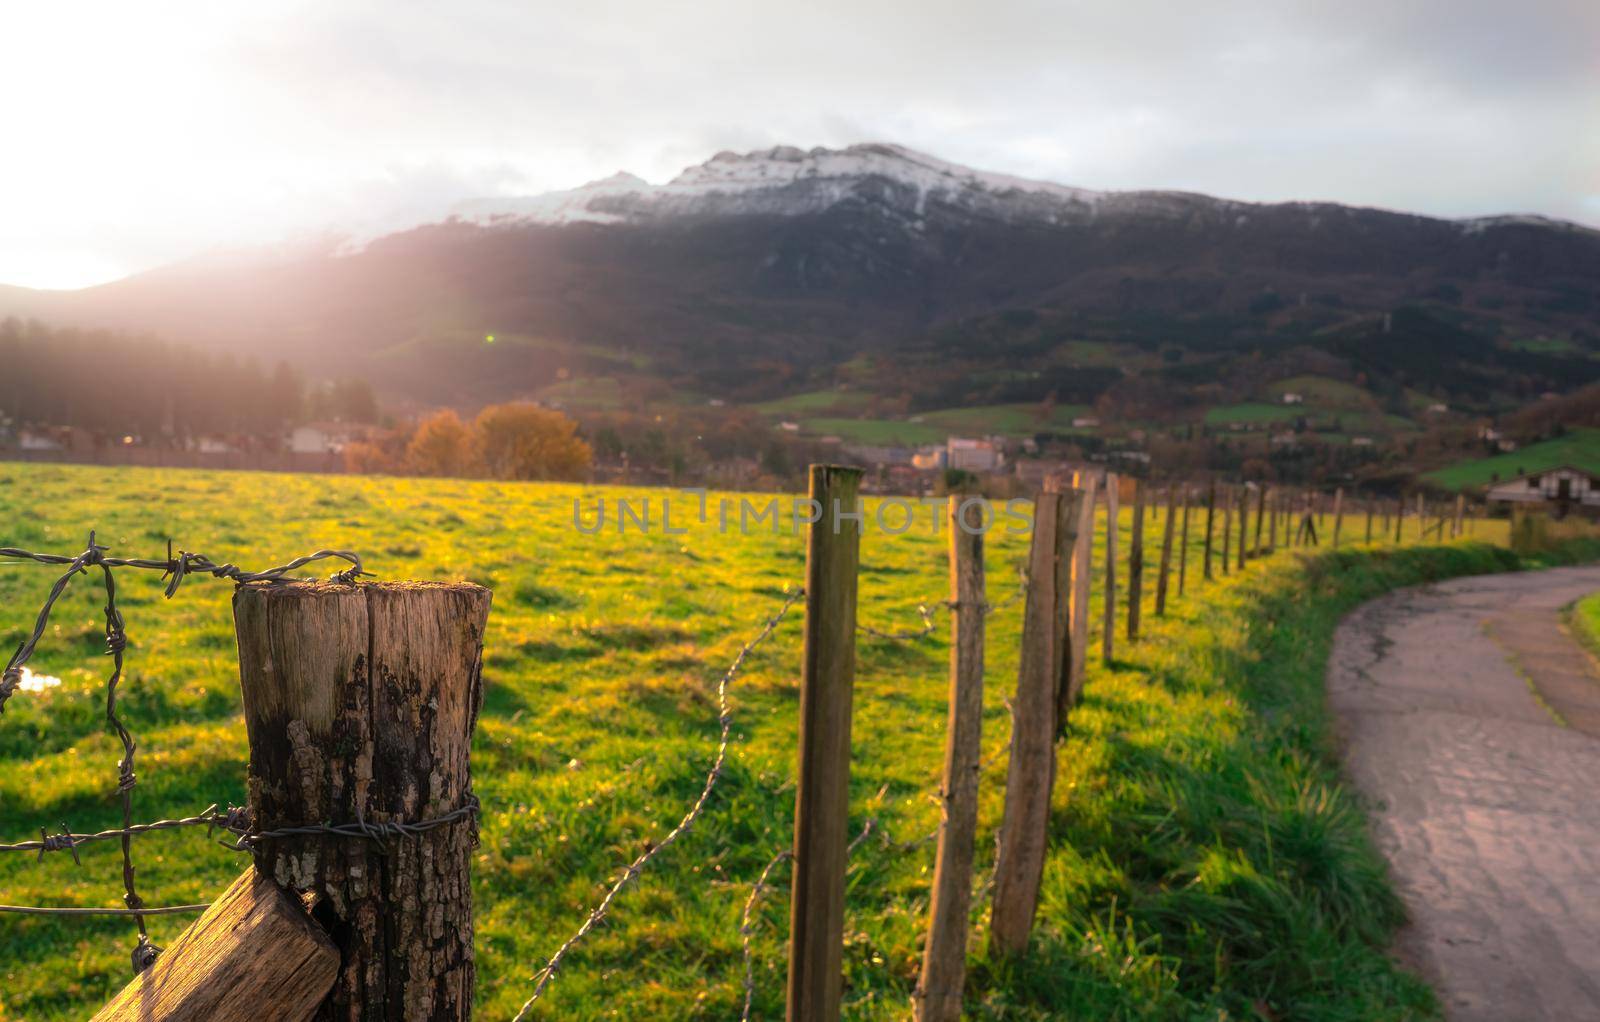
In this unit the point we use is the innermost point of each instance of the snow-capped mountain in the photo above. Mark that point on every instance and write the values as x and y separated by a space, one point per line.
751 269
787 181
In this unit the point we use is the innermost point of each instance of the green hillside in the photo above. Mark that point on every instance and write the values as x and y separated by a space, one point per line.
1579 448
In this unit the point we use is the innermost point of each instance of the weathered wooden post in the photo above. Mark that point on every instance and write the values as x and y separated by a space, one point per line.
1166 555
1244 524
1227 529
1369 522
1422 517
254 954
1461 510
359 705
937 997
1261 517
822 787
1136 562
1078 599
1183 543
1338 515
1019 861
1211 515
1272 526
1108 639
1399 519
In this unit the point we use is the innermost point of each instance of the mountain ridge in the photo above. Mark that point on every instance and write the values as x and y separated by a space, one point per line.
754 273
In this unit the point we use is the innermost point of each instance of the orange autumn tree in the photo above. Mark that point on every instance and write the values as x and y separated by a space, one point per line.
520 440
443 445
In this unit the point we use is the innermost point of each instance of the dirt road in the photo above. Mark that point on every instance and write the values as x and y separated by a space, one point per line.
1470 722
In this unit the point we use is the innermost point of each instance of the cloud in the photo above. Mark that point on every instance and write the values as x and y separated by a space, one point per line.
225 124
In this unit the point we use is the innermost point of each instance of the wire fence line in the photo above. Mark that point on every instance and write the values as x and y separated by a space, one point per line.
235 821
725 724
175 567
929 609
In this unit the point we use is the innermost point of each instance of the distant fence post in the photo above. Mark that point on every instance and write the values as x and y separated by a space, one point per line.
1399 520
1461 510
1108 639
1422 517
1244 524
1183 543
822 789
1166 554
1369 521
1338 515
1227 529
1211 515
1276 511
1136 562
1261 516
359 706
1078 601
937 997
1019 862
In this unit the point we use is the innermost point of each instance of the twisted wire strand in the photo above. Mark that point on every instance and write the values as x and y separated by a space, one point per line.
175 567
637 866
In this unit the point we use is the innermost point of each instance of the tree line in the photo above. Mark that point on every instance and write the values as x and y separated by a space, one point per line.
117 385
517 440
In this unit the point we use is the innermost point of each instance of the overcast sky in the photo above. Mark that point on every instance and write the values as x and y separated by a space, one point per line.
136 134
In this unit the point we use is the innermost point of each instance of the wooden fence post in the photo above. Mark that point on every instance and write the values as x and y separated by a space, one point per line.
1211 514
1227 529
1338 515
1261 516
1422 517
1368 502
1166 555
1136 562
1461 510
1108 638
1078 600
1272 526
1183 543
937 997
359 706
1244 524
822 789
1399 520
1024 825
254 954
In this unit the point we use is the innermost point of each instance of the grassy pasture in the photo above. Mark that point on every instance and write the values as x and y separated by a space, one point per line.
1206 862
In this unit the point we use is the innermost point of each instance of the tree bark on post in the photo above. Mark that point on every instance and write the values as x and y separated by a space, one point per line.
360 703
1108 638
937 997
822 788
1136 562
1166 555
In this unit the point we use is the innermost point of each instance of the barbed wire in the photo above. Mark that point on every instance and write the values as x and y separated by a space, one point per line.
175 567
725 723
928 610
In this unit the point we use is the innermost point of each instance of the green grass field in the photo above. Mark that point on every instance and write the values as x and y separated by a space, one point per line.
1253 412
1205 861
1580 448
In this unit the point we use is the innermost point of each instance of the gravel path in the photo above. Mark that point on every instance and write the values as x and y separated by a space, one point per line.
1470 721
